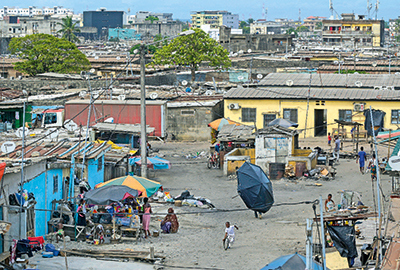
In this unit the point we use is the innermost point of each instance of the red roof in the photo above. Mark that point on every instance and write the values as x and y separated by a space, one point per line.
53 111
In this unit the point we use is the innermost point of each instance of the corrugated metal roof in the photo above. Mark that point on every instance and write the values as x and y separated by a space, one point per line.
315 94
331 80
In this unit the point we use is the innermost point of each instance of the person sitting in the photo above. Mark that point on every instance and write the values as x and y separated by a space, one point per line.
99 233
329 204
60 232
170 223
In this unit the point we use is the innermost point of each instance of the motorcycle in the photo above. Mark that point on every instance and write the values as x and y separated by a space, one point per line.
213 161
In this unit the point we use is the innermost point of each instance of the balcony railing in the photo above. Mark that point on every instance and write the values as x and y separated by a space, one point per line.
347 32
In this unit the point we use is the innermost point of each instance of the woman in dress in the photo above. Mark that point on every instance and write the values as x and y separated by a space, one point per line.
170 223
146 216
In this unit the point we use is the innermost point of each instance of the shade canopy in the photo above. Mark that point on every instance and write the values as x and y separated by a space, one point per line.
283 123
109 194
255 188
155 163
290 262
219 123
146 186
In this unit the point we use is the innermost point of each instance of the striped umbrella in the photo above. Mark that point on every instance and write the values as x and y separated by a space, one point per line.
146 186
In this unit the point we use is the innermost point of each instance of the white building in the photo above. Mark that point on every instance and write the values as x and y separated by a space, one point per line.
34 11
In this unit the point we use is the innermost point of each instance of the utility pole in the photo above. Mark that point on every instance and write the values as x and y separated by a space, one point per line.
308 105
143 141
22 173
321 215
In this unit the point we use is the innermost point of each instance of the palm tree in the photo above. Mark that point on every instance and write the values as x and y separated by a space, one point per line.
68 29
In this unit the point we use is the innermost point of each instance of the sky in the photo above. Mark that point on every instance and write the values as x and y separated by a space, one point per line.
181 9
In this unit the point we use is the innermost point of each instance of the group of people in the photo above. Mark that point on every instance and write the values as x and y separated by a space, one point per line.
372 165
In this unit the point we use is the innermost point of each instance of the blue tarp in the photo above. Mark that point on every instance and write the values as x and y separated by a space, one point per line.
156 162
291 262
255 188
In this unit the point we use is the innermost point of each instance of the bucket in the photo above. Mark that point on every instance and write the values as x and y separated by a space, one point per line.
276 170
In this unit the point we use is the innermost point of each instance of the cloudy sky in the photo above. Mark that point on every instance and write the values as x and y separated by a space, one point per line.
245 8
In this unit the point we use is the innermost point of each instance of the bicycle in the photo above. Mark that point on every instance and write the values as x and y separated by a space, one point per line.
213 162
228 242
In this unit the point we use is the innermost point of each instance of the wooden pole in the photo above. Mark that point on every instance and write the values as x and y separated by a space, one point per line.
390 136
358 137
65 253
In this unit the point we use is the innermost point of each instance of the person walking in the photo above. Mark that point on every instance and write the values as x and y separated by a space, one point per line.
329 139
336 150
373 165
361 158
146 217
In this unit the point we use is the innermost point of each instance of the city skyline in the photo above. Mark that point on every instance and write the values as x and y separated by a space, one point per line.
246 9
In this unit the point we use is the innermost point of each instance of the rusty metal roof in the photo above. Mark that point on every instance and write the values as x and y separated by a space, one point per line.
315 93
331 80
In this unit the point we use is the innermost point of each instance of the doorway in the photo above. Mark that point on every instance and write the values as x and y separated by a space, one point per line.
320 127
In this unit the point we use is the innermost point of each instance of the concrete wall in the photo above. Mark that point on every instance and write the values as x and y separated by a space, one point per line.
193 126
94 175
152 29
272 148
4 41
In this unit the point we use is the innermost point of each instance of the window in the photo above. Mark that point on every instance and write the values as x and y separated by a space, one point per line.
345 115
100 164
55 183
395 116
290 114
50 118
187 112
268 118
249 114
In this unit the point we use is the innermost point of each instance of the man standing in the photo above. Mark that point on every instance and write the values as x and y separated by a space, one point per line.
362 156
337 149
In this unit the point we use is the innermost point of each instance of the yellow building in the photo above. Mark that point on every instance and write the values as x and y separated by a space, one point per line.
359 32
215 19
285 96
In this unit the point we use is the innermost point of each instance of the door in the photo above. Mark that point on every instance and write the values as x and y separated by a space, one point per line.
320 122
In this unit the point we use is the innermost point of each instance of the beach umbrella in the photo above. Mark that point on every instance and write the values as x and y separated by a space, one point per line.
283 123
155 163
146 186
219 123
291 262
109 194
255 188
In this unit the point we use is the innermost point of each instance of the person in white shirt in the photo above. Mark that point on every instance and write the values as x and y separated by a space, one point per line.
230 232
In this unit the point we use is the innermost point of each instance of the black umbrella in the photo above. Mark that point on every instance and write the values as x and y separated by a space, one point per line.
254 188
108 194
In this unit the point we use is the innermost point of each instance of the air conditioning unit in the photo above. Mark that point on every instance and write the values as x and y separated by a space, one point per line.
384 87
391 88
234 106
359 107
377 87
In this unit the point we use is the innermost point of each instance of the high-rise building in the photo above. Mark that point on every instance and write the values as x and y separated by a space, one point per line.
103 20
215 19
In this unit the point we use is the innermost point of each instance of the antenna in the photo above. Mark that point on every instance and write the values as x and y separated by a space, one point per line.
331 8
266 13
299 15
263 11
369 7
376 9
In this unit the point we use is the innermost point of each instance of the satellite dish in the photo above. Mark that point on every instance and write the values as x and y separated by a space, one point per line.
109 120
135 51
259 76
235 54
240 78
118 58
70 125
394 162
24 92
289 82
153 95
397 73
19 132
358 83
52 133
209 93
184 82
127 91
356 72
121 97
7 147
249 50
92 70
82 94
96 58
336 62
166 66
374 64
95 94
240 52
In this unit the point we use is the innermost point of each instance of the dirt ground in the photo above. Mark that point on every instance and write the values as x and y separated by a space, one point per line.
281 231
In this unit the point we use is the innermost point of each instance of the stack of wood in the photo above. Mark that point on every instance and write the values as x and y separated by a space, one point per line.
290 171
129 254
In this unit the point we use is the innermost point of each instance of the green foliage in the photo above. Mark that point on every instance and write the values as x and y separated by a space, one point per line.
343 71
318 25
114 39
152 48
250 21
68 28
292 31
302 28
46 53
191 51
245 27
151 19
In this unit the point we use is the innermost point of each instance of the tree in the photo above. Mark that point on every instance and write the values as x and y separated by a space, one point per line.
318 25
46 53
152 48
151 19
191 51
250 21
302 28
291 31
68 29
245 27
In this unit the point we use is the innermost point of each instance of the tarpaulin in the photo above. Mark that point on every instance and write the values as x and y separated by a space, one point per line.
2 168
378 121
344 239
